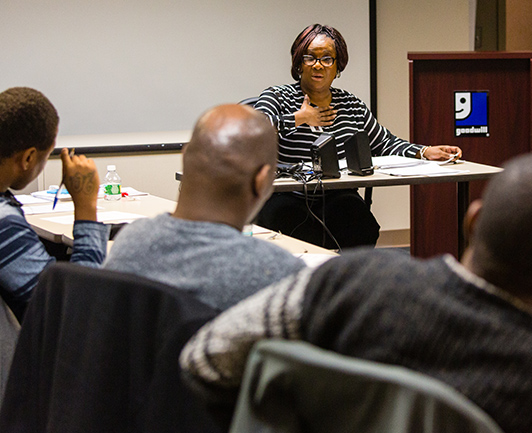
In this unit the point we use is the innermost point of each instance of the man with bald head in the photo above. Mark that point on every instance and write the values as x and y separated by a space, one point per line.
228 170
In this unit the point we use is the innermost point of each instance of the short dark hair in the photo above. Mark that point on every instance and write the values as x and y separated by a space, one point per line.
303 40
502 238
27 119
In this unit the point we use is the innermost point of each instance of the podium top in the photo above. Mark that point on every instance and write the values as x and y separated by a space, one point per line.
469 55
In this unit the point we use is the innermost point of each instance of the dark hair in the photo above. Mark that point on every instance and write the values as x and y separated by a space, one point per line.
303 40
502 238
27 119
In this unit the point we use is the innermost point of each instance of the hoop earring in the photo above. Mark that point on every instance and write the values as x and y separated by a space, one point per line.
338 74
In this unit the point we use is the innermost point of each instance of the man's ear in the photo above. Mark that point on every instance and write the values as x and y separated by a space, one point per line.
262 181
27 158
470 219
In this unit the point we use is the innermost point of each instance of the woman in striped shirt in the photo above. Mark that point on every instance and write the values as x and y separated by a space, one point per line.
309 107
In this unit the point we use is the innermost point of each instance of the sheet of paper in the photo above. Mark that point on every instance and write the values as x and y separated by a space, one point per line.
49 195
29 199
395 161
257 230
314 260
47 208
114 216
44 195
429 169
132 192
342 163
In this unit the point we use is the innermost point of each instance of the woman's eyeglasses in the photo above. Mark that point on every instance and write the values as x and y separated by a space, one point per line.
326 61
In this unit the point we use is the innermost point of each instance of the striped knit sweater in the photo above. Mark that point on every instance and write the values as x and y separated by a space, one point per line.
280 103
431 316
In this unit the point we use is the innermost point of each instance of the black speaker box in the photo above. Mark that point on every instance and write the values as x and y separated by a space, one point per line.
325 156
358 154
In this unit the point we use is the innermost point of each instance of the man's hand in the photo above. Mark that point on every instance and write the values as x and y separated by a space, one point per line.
82 181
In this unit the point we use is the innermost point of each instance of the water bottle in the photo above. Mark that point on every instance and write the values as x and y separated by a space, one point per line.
112 184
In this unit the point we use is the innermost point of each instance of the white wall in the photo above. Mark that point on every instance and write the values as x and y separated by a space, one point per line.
403 26
410 25
128 66
124 66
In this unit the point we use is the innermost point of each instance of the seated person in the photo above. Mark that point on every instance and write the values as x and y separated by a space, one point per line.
228 170
467 324
303 110
28 129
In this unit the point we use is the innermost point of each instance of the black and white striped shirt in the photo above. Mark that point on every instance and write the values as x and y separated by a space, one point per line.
280 103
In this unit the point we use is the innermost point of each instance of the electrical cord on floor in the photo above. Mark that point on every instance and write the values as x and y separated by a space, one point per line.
301 173
321 221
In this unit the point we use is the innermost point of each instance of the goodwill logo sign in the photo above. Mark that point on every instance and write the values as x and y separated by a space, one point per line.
471 114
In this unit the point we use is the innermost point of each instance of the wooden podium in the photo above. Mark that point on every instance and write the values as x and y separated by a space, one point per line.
505 77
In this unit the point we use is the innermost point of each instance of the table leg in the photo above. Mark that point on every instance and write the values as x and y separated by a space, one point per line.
463 204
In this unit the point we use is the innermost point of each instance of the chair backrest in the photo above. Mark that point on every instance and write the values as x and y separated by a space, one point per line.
296 387
9 329
98 352
250 101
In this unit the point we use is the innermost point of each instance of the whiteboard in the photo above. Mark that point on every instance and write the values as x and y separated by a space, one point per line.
135 66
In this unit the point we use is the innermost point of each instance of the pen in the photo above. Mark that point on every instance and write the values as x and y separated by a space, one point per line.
450 160
71 154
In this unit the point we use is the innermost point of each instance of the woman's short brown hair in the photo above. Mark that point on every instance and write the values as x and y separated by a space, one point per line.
303 40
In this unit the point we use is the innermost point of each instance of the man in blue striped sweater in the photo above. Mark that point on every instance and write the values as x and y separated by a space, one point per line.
28 129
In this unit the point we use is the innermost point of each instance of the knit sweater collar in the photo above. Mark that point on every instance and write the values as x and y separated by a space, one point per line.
482 284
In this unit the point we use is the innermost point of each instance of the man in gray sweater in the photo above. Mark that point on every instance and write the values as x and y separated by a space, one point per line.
468 323
228 169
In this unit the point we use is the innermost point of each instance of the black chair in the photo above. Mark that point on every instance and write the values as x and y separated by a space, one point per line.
9 329
250 101
293 387
98 352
